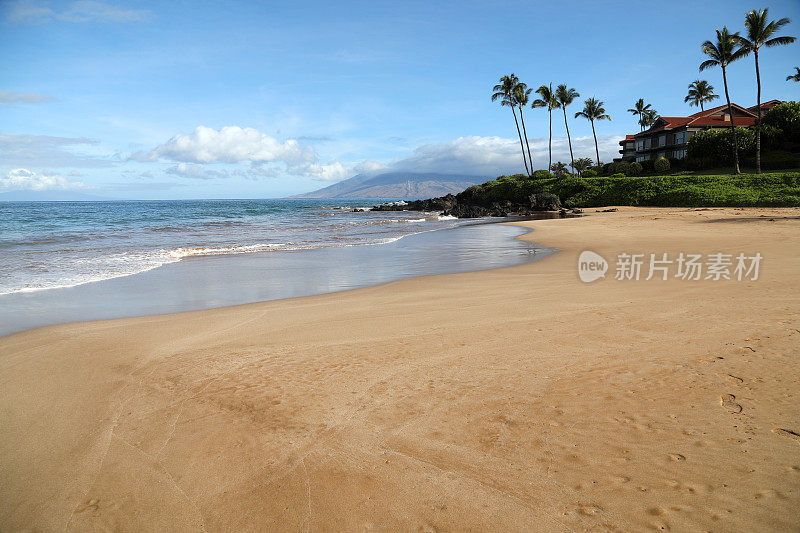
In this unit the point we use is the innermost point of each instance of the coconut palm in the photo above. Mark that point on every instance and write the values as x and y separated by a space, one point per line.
565 97
522 95
593 110
795 76
700 92
558 169
760 32
649 118
639 108
581 164
548 100
722 53
504 91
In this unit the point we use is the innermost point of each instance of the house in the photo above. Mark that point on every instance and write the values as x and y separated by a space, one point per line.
669 136
628 149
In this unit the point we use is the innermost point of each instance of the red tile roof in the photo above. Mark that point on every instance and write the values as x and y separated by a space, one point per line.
707 119
764 105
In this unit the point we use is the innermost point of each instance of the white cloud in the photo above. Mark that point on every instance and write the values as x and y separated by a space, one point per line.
12 97
497 155
230 144
37 12
464 155
27 180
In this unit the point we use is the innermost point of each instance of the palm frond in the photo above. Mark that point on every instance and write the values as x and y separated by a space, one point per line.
708 63
779 41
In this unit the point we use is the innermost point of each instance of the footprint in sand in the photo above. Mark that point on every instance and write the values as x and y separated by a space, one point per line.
737 379
727 401
677 457
787 433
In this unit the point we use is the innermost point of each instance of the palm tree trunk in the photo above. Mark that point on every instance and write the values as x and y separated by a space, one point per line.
527 143
701 106
733 125
596 150
524 160
550 142
758 124
569 140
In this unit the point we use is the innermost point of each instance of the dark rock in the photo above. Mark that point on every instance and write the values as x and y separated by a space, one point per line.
545 201
467 211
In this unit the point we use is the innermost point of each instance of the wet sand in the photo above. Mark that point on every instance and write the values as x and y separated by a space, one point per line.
513 399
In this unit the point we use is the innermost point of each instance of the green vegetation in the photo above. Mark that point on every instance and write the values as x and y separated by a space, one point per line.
661 165
786 118
743 190
780 140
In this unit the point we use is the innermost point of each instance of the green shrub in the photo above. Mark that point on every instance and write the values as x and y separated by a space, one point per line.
647 165
634 169
775 189
775 160
715 147
786 118
661 165
589 173
541 174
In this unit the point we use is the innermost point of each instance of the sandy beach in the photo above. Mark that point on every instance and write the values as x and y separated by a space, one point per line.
516 399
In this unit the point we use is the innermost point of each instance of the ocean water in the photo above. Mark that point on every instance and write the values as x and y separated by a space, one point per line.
50 245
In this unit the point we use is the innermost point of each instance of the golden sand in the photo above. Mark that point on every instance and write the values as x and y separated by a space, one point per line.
517 399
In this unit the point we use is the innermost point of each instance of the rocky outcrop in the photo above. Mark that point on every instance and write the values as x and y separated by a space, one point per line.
452 205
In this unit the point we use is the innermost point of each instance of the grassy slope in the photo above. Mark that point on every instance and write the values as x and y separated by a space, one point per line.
773 189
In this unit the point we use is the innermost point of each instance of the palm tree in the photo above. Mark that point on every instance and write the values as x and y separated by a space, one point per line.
558 168
639 108
795 76
581 164
548 100
649 118
725 51
760 33
565 97
700 91
505 92
521 95
593 110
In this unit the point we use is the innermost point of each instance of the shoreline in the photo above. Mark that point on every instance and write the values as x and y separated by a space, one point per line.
515 398
164 289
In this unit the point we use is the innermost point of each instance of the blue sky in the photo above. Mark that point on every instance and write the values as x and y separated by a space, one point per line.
263 99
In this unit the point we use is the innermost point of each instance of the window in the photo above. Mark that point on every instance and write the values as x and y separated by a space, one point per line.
639 145
647 144
662 140
680 138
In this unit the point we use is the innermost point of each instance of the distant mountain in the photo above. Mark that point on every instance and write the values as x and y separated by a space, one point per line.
396 185
49 196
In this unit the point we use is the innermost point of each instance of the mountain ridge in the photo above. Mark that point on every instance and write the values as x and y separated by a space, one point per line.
396 185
